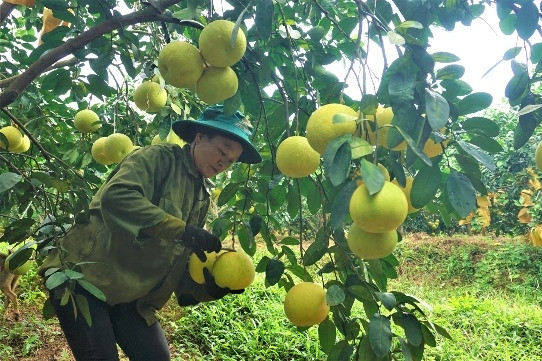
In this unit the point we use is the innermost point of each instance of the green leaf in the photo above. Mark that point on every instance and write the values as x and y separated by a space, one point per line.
255 223
536 53
387 299
527 21
365 352
264 18
8 180
327 334
335 295
55 280
512 53
405 349
485 125
82 306
445 57
452 71
401 88
473 103
529 109
517 86
93 290
339 207
461 193
317 249
17 230
360 147
99 87
487 144
425 185
227 193
485 159
368 104
48 311
274 271
337 158
428 337
412 327
438 109
246 239
60 185
372 176
380 335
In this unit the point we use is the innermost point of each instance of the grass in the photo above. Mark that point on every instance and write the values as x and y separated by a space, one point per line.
483 291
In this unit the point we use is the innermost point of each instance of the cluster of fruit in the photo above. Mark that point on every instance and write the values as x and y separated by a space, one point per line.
376 217
231 269
16 141
205 70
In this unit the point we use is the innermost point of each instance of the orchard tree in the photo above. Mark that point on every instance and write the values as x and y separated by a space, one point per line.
415 120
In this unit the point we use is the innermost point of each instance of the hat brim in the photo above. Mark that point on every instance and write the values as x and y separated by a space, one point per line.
186 129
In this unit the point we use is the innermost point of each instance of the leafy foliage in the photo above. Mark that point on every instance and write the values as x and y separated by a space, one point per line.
108 47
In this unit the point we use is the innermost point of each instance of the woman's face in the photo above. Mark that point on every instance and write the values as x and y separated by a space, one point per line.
215 155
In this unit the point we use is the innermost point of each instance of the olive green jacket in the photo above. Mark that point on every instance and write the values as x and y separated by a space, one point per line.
123 262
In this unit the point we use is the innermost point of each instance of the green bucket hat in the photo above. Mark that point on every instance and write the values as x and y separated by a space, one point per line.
234 126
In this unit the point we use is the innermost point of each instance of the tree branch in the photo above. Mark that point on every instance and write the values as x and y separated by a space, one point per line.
15 89
4 83
5 10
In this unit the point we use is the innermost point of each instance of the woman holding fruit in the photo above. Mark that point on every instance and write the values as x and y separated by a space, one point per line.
145 222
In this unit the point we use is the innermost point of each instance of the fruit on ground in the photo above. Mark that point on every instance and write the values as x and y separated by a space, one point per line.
150 97
24 146
305 304
321 129
538 156
117 146
234 270
97 151
86 121
21 270
217 85
381 212
296 158
180 64
215 44
384 116
14 138
406 190
369 245
195 266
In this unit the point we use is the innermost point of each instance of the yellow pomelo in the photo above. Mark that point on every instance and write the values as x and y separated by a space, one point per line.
217 85
195 266
538 156
117 146
14 137
180 64
21 270
24 146
171 138
97 151
157 140
150 97
368 245
305 304
432 149
86 121
384 116
296 158
216 46
234 270
381 212
406 190
321 129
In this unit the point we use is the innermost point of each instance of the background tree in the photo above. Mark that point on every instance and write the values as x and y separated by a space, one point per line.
101 50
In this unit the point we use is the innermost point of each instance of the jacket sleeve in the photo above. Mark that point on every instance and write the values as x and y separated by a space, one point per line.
129 199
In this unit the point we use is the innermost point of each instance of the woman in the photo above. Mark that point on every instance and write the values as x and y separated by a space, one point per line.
144 223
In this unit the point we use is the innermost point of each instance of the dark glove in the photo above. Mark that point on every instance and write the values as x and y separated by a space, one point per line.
215 290
199 240
186 300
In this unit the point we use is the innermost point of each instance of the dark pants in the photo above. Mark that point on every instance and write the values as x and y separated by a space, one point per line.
111 325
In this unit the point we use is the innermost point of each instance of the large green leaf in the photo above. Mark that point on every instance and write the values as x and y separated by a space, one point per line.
461 194
485 159
317 249
372 176
473 103
438 110
327 334
481 124
527 21
9 180
274 271
380 334
425 185
337 160
264 18
340 205
412 327
517 86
